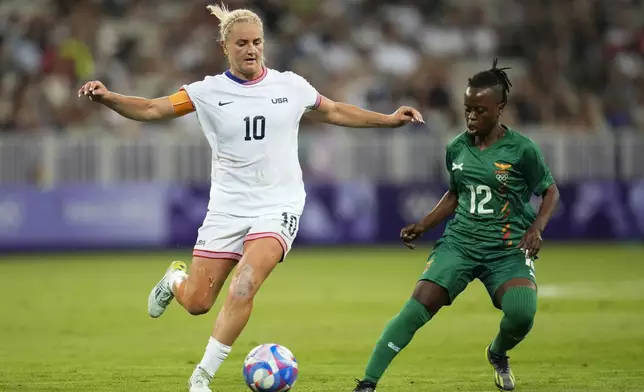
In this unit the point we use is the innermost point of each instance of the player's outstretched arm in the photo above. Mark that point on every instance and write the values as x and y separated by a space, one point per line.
343 114
445 207
531 241
134 108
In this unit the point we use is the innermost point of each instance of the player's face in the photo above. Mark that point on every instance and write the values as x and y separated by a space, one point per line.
245 48
482 110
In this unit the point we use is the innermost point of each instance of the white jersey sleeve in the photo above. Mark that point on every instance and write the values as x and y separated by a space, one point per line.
308 96
201 93
198 91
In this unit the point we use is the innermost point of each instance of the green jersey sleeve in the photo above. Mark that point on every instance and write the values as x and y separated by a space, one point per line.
535 169
448 164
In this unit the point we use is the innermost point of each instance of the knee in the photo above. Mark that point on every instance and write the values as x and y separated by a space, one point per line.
196 303
238 297
521 317
432 296
196 297
431 305
242 289
197 306
520 306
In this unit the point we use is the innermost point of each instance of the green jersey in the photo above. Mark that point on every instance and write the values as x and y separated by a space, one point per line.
494 187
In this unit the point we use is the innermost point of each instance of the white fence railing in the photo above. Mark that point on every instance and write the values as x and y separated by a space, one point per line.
340 155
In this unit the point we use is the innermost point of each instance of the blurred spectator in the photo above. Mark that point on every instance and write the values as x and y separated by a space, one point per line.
577 64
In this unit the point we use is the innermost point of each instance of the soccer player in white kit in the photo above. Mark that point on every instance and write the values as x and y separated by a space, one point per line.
250 116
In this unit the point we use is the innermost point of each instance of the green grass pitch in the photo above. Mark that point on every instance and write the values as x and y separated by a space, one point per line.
78 322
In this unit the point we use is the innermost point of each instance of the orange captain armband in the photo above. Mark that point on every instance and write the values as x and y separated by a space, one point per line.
181 103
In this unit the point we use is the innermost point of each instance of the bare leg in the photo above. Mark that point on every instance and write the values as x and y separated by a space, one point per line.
260 258
197 293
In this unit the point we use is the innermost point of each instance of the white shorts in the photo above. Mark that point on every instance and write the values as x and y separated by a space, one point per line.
223 236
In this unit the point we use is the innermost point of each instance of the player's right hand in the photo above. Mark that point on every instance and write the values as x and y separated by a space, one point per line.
405 115
410 233
94 90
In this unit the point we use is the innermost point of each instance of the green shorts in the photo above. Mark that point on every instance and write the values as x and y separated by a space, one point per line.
452 270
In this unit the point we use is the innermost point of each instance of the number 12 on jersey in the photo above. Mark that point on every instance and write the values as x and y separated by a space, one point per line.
477 191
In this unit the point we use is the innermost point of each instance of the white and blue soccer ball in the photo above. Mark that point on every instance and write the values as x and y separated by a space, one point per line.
270 368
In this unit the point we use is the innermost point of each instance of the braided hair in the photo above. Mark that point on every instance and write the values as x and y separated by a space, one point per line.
493 78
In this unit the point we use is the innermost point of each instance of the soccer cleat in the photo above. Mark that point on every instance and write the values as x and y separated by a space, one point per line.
365 386
199 381
503 376
161 295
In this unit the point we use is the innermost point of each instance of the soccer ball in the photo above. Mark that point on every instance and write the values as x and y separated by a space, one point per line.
270 368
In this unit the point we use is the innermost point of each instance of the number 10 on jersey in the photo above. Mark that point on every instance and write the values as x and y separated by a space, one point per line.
258 128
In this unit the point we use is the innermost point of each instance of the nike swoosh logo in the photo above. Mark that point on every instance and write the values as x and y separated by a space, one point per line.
224 103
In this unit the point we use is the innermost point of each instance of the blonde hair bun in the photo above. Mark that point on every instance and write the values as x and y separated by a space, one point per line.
228 18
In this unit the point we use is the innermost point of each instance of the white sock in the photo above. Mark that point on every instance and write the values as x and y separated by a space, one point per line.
214 356
175 278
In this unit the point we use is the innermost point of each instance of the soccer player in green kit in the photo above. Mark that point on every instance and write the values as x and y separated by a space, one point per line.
494 235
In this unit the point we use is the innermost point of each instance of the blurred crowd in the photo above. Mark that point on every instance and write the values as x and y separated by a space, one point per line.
576 64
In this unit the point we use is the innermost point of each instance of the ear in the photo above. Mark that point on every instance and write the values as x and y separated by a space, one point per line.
223 46
501 107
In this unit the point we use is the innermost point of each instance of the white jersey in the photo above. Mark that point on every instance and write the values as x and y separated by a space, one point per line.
252 128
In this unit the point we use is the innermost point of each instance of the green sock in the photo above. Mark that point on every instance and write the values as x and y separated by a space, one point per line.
397 334
519 305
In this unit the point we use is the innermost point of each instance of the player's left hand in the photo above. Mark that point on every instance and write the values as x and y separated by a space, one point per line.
411 233
404 115
531 242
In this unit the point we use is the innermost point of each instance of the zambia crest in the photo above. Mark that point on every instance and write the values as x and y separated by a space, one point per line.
502 171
